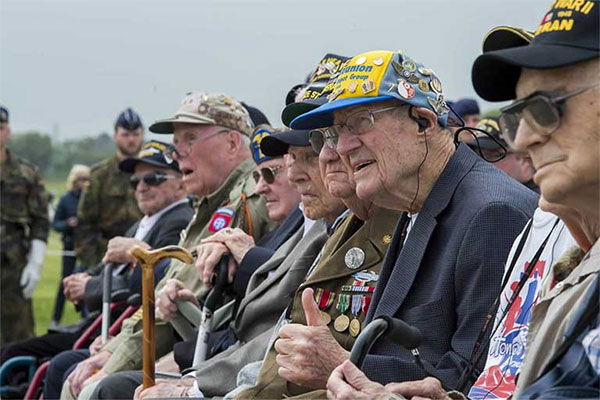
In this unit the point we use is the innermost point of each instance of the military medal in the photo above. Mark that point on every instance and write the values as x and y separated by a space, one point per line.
366 303
324 298
354 258
397 67
366 276
435 84
438 104
341 322
356 306
405 90
409 65
425 71
368 86
423 85
387 239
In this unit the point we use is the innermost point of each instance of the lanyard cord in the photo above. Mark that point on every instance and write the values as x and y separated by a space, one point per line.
474 359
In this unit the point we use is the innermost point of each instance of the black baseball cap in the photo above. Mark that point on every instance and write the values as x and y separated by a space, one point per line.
277 145
568 34
152 153
129 120
320 84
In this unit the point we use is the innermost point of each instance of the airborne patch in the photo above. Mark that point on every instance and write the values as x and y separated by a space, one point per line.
221 219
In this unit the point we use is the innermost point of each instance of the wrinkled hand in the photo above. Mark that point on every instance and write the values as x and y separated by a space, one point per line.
118 249
209 255
165 388
347 382
237 241
85 369
173 290
97 377
428 388
97 344
308 354
74 286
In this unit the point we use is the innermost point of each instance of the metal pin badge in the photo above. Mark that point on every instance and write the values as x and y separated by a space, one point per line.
354 258
360 60
378 61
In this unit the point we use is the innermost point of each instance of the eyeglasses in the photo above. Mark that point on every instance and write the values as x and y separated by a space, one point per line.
541 110
175 152
268 173
356 124
316 137
151 179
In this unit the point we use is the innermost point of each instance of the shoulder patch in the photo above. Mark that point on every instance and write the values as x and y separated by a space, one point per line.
221 219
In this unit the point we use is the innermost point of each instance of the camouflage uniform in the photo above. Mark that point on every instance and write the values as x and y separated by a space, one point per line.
24 216
107 208
333 274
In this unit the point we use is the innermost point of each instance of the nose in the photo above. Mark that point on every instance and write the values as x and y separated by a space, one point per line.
328 154
347 143
262 187
527 137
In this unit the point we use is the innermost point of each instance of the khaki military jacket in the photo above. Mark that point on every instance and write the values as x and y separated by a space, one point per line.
337 271
23 210
107 208
234 204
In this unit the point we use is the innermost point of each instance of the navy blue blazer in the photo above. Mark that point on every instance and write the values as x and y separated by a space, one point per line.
449 271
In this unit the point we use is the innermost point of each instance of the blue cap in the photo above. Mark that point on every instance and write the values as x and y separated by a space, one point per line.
256 138
376 76
129 120
465 107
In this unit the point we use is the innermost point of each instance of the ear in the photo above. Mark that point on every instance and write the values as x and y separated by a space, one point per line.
425 118
234 141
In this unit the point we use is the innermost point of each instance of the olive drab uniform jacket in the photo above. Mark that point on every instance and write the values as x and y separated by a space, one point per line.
107 208
24 216
343 282
234 204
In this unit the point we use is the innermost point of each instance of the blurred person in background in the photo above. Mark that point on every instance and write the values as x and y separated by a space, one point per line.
65 221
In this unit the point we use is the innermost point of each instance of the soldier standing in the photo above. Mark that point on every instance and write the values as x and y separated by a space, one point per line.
24 232
108 207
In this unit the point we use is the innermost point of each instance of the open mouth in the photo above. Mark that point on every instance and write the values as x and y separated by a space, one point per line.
360 166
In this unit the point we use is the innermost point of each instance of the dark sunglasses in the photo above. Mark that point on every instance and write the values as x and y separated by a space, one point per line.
541 110
267 173
151 179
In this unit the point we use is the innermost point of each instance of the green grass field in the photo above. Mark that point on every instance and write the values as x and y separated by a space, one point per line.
45 293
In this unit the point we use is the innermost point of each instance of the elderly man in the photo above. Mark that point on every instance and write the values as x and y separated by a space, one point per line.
271 281
160 195
555 119
515 164
107 206
211 145
563 144
341 284
388 119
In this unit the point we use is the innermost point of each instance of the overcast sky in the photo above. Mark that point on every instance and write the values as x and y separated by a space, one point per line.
68 67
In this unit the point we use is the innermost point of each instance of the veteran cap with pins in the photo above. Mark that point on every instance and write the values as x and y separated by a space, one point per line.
260 133
377 76
278 144
208 109
152 153
320 84
568 34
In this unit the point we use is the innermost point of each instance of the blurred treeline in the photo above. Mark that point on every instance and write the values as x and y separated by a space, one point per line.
55 159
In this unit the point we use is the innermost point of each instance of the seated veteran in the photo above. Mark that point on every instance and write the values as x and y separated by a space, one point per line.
441 273
211 144
330 306
159 194
268 292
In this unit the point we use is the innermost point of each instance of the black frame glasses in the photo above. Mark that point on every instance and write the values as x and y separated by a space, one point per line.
155 178
542 111
267 173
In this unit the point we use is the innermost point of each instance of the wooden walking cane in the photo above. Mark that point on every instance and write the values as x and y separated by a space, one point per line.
149 259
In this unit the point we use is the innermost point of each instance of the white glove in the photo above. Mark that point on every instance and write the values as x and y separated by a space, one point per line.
31 273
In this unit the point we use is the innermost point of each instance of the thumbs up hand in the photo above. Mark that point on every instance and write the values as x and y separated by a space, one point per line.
307 354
